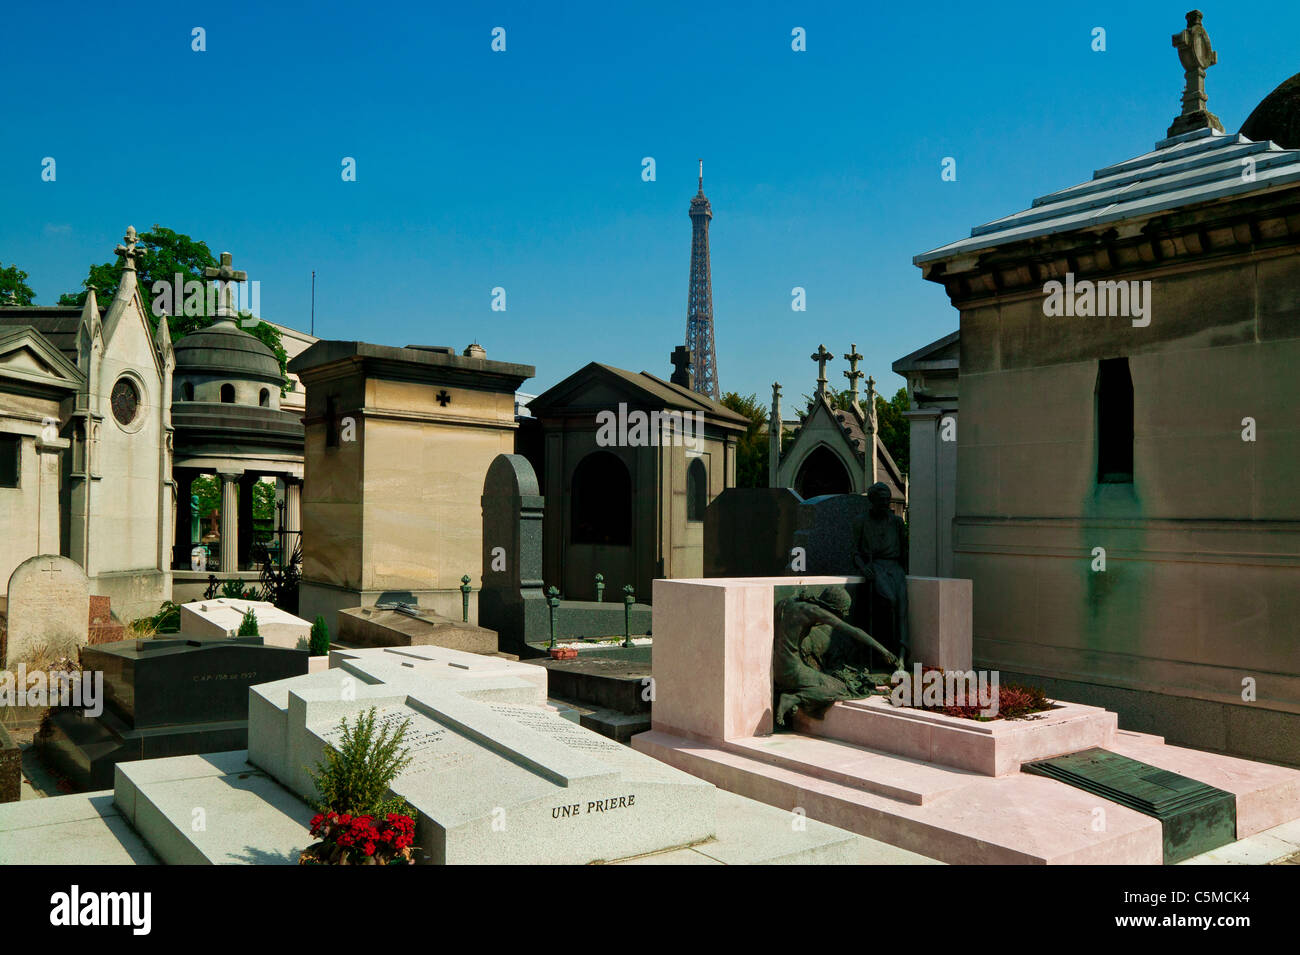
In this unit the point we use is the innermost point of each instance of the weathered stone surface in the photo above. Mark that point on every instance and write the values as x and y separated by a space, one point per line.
48 610
375 627
103 628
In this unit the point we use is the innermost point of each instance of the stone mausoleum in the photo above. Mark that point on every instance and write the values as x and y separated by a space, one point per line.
1129 446
86 442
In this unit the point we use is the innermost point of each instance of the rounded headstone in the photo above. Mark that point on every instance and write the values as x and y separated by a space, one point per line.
49 610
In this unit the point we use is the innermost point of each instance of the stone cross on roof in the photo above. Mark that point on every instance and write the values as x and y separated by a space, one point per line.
127 250
1194 52
681 359
821 356
225 275
853 375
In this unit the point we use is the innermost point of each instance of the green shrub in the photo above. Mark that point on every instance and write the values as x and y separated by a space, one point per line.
356 774
234 589
319 644
248 626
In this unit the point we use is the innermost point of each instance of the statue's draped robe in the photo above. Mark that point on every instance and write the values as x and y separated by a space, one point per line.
881 545
798 682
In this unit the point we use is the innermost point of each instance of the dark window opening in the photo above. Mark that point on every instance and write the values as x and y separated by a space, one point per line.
601 500
264 398
697 490
1114 422
187 391
821 473
227 394
10 459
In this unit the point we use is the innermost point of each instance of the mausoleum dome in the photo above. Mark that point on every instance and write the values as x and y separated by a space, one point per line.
1277 117
223 363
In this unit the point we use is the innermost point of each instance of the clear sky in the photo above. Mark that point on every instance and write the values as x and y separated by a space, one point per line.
523 169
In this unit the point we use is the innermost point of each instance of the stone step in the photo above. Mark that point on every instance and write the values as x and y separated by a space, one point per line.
857 767
1007 820
214 809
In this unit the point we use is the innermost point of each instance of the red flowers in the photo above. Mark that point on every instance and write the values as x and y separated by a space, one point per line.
360 840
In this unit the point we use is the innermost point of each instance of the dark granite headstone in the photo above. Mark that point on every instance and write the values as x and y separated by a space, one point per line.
512 601
163 697
827 530
749 532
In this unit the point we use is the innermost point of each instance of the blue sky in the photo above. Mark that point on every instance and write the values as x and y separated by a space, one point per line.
522 169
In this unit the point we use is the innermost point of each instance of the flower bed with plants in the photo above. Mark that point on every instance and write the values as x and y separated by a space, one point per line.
358 820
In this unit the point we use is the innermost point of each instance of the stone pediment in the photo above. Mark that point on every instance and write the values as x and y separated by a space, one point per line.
29 357
596 387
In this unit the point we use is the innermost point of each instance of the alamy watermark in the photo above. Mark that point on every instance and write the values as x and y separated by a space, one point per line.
1088 299
934 688
640 429
76 688
181 296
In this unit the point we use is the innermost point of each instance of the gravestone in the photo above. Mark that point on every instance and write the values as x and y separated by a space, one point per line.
48 610
497 776
748 532
827 530
512 601
407 625
222 616
163 697
103 628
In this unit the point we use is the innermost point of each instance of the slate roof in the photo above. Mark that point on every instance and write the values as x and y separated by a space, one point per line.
1182 170
659 391
58 323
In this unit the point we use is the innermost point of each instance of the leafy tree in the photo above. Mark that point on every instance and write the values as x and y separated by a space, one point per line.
14 289
751 448
166 254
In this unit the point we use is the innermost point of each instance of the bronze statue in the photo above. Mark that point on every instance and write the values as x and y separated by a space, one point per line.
798 679
882 560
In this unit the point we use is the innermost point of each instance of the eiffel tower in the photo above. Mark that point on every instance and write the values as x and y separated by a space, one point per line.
699 301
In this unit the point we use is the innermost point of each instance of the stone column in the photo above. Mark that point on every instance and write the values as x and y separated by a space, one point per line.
246 534
184 519
229 520
292 514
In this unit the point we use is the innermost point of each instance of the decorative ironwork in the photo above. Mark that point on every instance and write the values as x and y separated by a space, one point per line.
699 300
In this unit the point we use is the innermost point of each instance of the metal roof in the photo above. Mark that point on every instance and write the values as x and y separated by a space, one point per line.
1182 170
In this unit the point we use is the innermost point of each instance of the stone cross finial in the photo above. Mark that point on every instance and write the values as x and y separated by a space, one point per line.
853 375
127 250
821 356
1194 52
224 275
682 359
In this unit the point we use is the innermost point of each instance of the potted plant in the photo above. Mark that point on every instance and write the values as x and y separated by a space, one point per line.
358 821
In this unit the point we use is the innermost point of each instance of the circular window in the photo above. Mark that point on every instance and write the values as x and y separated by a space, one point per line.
125 401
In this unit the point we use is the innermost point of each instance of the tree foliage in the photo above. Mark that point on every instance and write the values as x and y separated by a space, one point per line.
356 774
14 289
167 253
